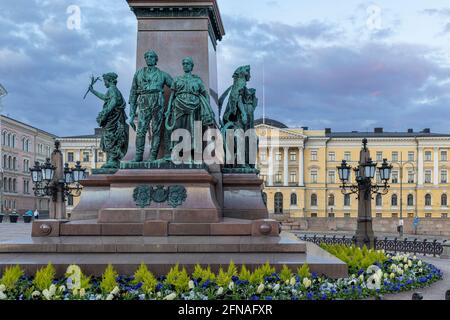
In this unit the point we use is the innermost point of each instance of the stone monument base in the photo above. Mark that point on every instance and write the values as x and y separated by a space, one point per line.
94 253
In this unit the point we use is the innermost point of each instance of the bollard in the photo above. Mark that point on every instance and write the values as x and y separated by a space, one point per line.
446 252
417 296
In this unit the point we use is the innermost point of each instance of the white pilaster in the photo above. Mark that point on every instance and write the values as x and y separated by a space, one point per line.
270 167
420 180
286 166
436 167
301 181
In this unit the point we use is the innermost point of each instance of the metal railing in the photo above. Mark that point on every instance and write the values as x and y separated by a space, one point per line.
391 245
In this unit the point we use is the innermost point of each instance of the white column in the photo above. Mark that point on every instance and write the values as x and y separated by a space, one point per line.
270 168
436 166
301 181
286 166
94 154
420 167
77 156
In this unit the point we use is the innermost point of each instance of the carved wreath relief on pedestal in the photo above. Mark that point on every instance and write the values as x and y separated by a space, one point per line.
174 195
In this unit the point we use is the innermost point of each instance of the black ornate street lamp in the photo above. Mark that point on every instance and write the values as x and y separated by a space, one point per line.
365 188
50 181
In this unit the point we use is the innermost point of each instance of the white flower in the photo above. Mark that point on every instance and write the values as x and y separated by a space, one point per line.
352 282
373 269
2 288
62 288
47 294
414 258
405 260
75 292
35 294
231 286
420 270
3 296
82 292
98 297
191 285
293 281
276 288
159 294
419 263
400 272
307 283
361 278
410 263
386 275
373 283
110 297
406 267
400 265
115 291
171 296
52 289
260 288
220 291
392 276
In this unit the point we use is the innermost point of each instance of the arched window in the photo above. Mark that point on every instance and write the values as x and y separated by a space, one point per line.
14 163
278 203
4 138
13 141
410 200
10 188
9 140
347 200
428 200
14 185
9 162
5 185
314 200
444 200
394 200
5 161
293 199
331 200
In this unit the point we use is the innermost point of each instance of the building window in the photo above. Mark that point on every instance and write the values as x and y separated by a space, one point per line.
394 200
428 215
13 141
70 157
313 176
347 200
410 200
347 215
101 157
4 139
411 156
443 155
348 156
410 215
332 177
395 215
70 200
293 156
379 156
428 156
293 199
379 215
85 156
379 200
331 200
313 155
395 156
331 215
14 185
293 177
411 177
278 156
314 200
278 203
444 200
378 177
444 215
427 176
428 200
26 166
394 177
313 215
443 176
332 156
278 178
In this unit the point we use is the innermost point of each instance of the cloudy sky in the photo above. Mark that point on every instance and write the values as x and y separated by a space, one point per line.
355 65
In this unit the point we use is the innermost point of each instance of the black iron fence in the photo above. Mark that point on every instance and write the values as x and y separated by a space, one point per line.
391 245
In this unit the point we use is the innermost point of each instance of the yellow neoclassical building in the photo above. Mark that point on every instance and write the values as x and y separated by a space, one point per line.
303 180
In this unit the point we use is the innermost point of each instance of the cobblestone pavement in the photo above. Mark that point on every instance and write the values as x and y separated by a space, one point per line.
378 235
437 291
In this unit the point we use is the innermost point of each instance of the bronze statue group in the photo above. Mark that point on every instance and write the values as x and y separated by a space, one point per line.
189 103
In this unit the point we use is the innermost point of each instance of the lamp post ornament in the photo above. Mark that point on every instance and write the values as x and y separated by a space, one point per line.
365 188
56 180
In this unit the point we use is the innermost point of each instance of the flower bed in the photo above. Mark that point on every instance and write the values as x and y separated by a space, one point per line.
389 274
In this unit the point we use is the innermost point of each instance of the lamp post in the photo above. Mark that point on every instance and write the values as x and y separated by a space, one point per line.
364 188
53 179
3 94
401 166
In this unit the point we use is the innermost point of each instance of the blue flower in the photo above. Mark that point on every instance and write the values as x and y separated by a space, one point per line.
310 295
159 286
254 297
162 278
206 284
314 275
324 296
297 279
294 298
360 272
268 298
234 279
138 286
